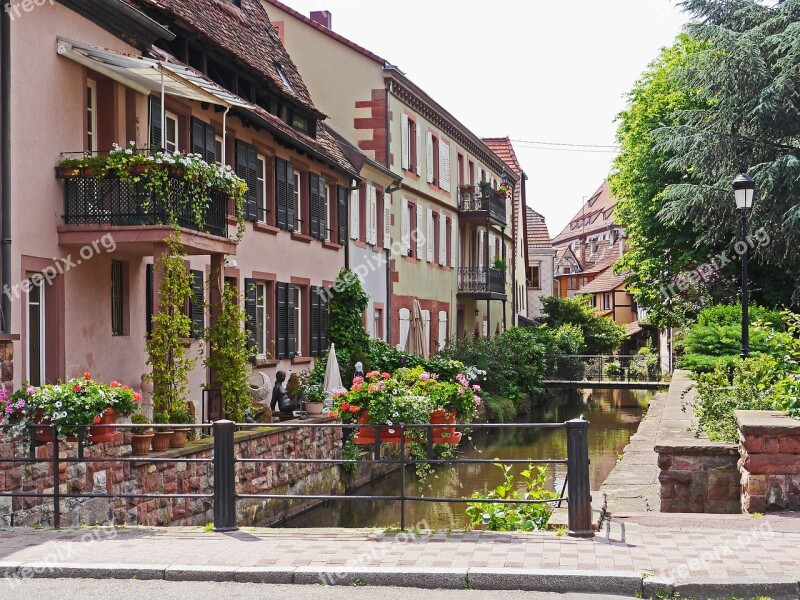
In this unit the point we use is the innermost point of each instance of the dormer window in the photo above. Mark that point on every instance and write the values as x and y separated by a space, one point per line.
236 3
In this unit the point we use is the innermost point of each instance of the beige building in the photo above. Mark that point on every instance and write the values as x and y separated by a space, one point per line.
450 224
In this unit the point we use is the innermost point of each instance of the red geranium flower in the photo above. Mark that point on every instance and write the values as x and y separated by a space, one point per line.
114 384
97 420
77 387
86 375
345 406
137 397
386 376
354 409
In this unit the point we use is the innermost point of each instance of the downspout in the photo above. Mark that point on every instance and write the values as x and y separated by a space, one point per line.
224 132
514 321
387 319
5 166
163 114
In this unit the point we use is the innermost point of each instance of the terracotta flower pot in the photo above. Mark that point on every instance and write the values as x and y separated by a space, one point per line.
98 435
137 169
314 408
140 443
161 440
178 437
177 172
444 435
68 172
366 435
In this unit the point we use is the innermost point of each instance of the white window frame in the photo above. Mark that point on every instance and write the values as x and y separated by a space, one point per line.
298 203
91 114
40 308
298 320
218 149
171 123
261 328
327 211
261 176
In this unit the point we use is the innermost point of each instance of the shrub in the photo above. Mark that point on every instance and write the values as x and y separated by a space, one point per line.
140 419
161 418
179 416
601 335
499 410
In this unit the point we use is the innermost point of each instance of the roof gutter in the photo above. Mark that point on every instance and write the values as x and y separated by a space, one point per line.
5 167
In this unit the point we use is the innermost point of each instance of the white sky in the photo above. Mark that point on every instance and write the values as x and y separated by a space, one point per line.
550 71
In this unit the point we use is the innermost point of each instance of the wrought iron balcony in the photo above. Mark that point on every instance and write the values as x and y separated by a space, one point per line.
482 203
89 200
480 281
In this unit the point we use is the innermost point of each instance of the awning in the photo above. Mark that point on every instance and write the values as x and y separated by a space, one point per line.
147 75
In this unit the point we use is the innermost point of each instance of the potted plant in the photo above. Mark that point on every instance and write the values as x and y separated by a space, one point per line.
499 263
313 393
142 436
503 191
179 416
450 401
466 190
162 436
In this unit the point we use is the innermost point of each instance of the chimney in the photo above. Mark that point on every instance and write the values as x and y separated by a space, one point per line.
582 253
323 17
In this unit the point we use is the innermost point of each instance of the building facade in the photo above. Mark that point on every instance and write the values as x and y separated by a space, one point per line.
541 263
202 76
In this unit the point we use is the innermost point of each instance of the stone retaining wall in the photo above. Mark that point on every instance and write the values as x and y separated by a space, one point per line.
769 444
699 477
6 363
118 477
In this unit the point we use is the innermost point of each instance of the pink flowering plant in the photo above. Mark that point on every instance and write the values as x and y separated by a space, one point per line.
388 401
456 396
80 401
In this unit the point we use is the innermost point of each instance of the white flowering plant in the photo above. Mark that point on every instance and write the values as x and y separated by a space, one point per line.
80 401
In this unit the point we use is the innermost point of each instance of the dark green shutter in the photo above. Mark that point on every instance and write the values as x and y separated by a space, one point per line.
315 321
148 302
323 320
342 210
323 217
281 292
291 322
281 193
313 205
156 135
204 140
250 309
247 169
290 215
197 309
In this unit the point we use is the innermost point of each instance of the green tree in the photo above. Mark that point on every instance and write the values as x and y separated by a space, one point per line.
346 306
601 335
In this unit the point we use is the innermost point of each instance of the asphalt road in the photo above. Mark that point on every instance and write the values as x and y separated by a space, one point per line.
80 589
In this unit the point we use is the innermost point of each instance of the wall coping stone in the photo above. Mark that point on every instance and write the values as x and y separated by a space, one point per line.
766 422
9 337
207 444
698 447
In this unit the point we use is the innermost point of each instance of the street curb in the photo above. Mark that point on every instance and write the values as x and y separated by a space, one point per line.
537 580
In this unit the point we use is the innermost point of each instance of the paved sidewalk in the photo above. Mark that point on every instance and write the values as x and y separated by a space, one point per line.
632 487
680 552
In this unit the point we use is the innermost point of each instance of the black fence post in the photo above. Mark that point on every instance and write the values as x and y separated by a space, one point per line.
56 480
579 498
224 477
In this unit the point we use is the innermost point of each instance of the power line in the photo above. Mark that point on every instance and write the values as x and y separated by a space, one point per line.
554 149
612 146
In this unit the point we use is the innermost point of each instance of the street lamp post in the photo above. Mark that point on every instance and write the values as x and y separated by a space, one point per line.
743 190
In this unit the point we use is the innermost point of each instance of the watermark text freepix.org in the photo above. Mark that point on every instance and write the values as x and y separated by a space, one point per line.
60 266
15 11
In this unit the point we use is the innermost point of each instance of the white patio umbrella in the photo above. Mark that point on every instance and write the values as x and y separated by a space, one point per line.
415 344
333 378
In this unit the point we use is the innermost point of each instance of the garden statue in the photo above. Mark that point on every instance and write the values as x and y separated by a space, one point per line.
146 387
359 370
280 398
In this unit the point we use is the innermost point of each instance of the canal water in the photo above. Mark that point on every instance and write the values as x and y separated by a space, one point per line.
614 416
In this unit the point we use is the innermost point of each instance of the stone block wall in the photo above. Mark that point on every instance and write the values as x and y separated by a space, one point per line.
769 444
699 477
176 477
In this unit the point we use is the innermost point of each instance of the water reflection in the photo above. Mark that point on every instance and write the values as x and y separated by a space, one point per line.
614 417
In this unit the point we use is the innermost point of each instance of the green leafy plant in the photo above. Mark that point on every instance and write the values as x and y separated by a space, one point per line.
601 335
499 264
143 422
179 416
311 389
349 452
167 354
161 418
229 354
513 516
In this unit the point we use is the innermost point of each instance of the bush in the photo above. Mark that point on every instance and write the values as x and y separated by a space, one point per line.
749 389
702 363
140 419
179 416
646 365
499 410
601 335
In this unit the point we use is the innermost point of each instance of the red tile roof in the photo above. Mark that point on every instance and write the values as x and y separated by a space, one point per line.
596 215
607 281
503 148
538 235
245 33
328 32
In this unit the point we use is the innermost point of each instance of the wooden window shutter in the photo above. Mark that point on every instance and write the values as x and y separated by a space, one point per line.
372 212
282 317
444 166
251 311
291 223
197 306
156 135
148 302
417 232
203 140
323 210
387 221
323 320
481 247
316 321
418 138
429 156
247 169
291 321
406 139
313 205
281 193
442 239
430 241
405 228
491 249
342 215
453 242
355 213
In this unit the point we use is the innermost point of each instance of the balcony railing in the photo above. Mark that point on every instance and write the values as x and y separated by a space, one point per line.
483 202
89 200
480 280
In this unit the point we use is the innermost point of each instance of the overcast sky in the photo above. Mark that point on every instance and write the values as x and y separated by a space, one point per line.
535 70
